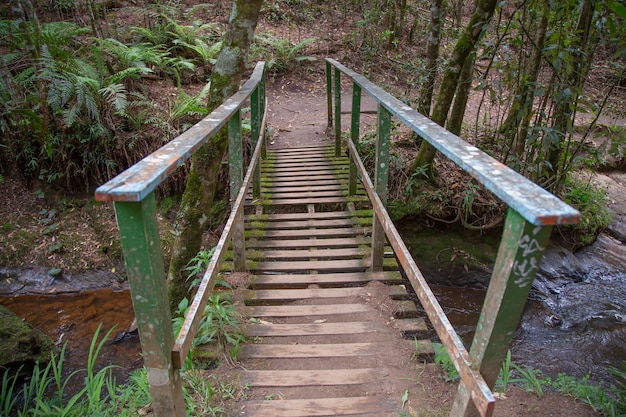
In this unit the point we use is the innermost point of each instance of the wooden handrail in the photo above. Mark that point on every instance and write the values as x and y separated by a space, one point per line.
133 194
469 376
532 213
196 310
535 204
141 179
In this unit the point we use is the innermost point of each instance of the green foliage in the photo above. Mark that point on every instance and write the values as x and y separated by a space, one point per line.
282 55
504 377
188 109
443 360
45 392
221 323
609 401
198 265
593 206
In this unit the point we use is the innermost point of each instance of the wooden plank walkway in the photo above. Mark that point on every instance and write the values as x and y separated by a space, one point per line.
323 325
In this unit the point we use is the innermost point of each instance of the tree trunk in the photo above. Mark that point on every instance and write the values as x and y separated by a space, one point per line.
199 193
455 121
564 109
432 54
464 46
515 127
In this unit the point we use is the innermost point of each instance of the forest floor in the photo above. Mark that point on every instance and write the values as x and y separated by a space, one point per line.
42 230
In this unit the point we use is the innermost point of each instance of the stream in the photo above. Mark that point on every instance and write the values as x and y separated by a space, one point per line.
574 321
575 318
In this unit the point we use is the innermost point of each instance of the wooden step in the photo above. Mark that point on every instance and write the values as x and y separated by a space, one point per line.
378 406
308 293
329 350
328 232
400 307
309 329
325 215
301 224
321 279
315 242
308 254
342 265
317 377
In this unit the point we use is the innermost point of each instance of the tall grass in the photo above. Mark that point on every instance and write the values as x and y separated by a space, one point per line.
45 392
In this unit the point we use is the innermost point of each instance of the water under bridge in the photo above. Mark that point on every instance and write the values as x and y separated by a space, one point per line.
328 295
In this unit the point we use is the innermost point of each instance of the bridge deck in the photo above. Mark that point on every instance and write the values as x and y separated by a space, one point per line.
327 331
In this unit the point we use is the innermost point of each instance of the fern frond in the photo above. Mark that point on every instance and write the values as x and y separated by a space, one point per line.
117 96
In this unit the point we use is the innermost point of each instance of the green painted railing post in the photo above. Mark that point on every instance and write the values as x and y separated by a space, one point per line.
381 175
255 131
235 163
337 112
141 245
355 132
519 256
329 93
262 99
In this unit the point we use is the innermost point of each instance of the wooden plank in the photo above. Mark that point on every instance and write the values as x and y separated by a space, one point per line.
313 176
321 186
332 278
399 308
416 325
320 200
301 294
302 149
305 310
307 254
312 157
301 216
331 350
319 377
309 243
319 233
310 329
308 163
303 182
333 265
347 406
294 173
306 194
300 224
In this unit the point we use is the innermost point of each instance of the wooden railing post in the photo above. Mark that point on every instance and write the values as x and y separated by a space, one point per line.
337 112
235 162
329 93
355 132
381 175
519 256
255 131
141 245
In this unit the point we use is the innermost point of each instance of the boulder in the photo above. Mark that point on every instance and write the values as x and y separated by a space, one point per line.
20 342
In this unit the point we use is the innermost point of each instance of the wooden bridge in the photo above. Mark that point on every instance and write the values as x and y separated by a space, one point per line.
326 262
322 329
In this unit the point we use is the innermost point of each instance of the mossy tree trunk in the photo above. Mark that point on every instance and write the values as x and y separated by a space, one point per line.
199 193
516 125
455 121
567 99
432 54
466 43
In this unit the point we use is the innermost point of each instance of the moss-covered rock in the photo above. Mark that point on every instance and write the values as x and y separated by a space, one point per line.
20 342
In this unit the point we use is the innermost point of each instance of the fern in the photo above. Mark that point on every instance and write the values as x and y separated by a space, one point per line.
187 105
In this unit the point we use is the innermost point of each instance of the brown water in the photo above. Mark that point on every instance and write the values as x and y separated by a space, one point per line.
74 318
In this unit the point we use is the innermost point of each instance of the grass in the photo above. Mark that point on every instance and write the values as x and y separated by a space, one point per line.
609 401
45 391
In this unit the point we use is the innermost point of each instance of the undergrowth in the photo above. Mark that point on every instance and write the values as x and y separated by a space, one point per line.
609 400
